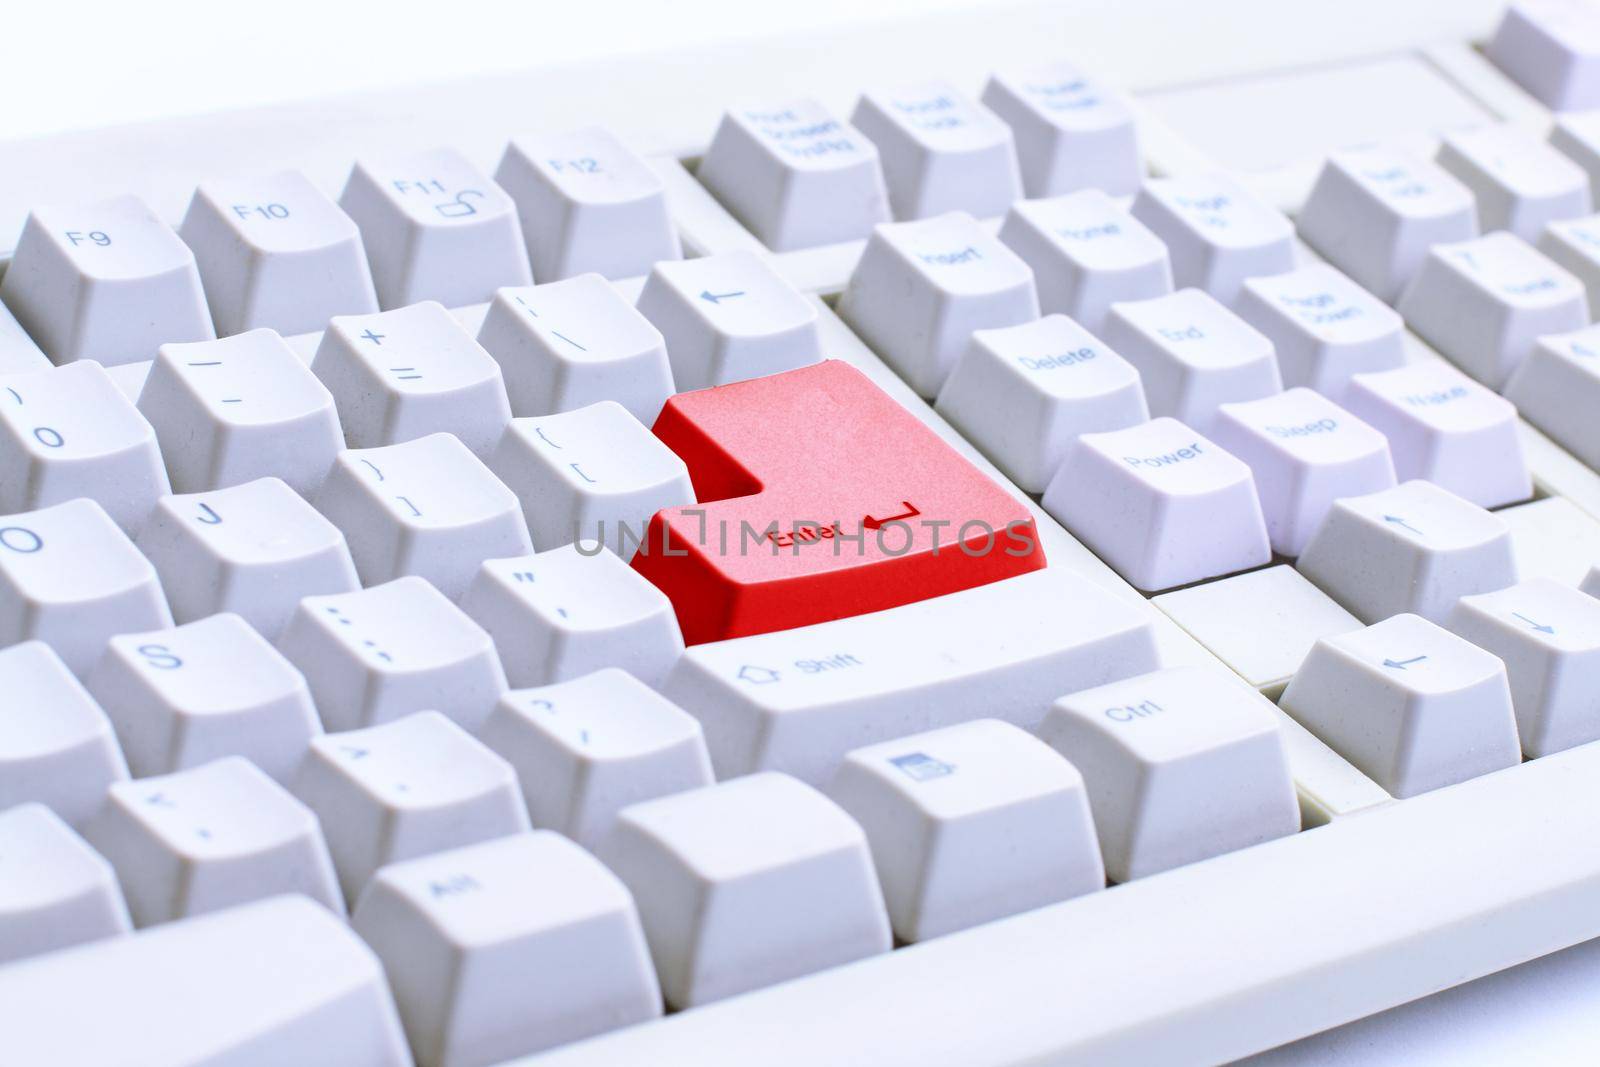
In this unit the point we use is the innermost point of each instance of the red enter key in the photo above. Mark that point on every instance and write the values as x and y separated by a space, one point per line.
820 497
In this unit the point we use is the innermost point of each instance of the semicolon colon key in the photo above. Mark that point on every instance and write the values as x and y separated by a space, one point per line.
821 498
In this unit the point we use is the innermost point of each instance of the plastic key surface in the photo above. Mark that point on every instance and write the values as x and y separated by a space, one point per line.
821 498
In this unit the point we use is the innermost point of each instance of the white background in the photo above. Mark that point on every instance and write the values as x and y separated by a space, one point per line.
76 65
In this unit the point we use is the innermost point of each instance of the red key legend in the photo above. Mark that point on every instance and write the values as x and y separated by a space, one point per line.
821 497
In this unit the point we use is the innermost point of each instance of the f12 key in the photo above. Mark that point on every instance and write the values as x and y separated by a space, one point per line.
821 498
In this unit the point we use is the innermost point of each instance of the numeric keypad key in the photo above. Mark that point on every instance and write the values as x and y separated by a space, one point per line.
1374 214
1483 303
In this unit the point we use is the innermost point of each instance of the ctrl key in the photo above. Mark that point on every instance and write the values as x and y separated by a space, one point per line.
507 947
1181 764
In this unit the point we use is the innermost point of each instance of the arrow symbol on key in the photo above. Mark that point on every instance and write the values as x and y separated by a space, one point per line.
757 675
717 298
1400 664
911 512
1395 520
1537 626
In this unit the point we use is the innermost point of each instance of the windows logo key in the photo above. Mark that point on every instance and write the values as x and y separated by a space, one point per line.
920 766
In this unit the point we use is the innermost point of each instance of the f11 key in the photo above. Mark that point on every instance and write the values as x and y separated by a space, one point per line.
821 498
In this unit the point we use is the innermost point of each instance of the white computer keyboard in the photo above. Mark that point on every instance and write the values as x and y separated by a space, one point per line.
766 537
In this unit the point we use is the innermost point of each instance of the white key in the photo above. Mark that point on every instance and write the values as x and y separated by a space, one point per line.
209 838
1323 327
572 343
794 175
1548 636
435 228
587 204
1591 583
1181 765
921 288
1445 428
245 407
403 374
1161 504
427 507
1072 133
253 550
1086 253
594 474
1574 246
70 578
1305 452
507 947
310 993
408 788
1520 182
1192 354
587 748
107 281
766 848
276 252
1412 705
1557 388
1023 394
565 612
18 353
970 824
941 151
1218 232
56 744
1414 548
55 891
798 700
1576 135
379 654
1552 49
1483 303
69 432
1374 214
183 697
727 317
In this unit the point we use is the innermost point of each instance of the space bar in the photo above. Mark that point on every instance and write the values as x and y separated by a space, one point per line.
1205 963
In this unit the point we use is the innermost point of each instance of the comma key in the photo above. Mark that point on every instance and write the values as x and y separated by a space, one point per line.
821 497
